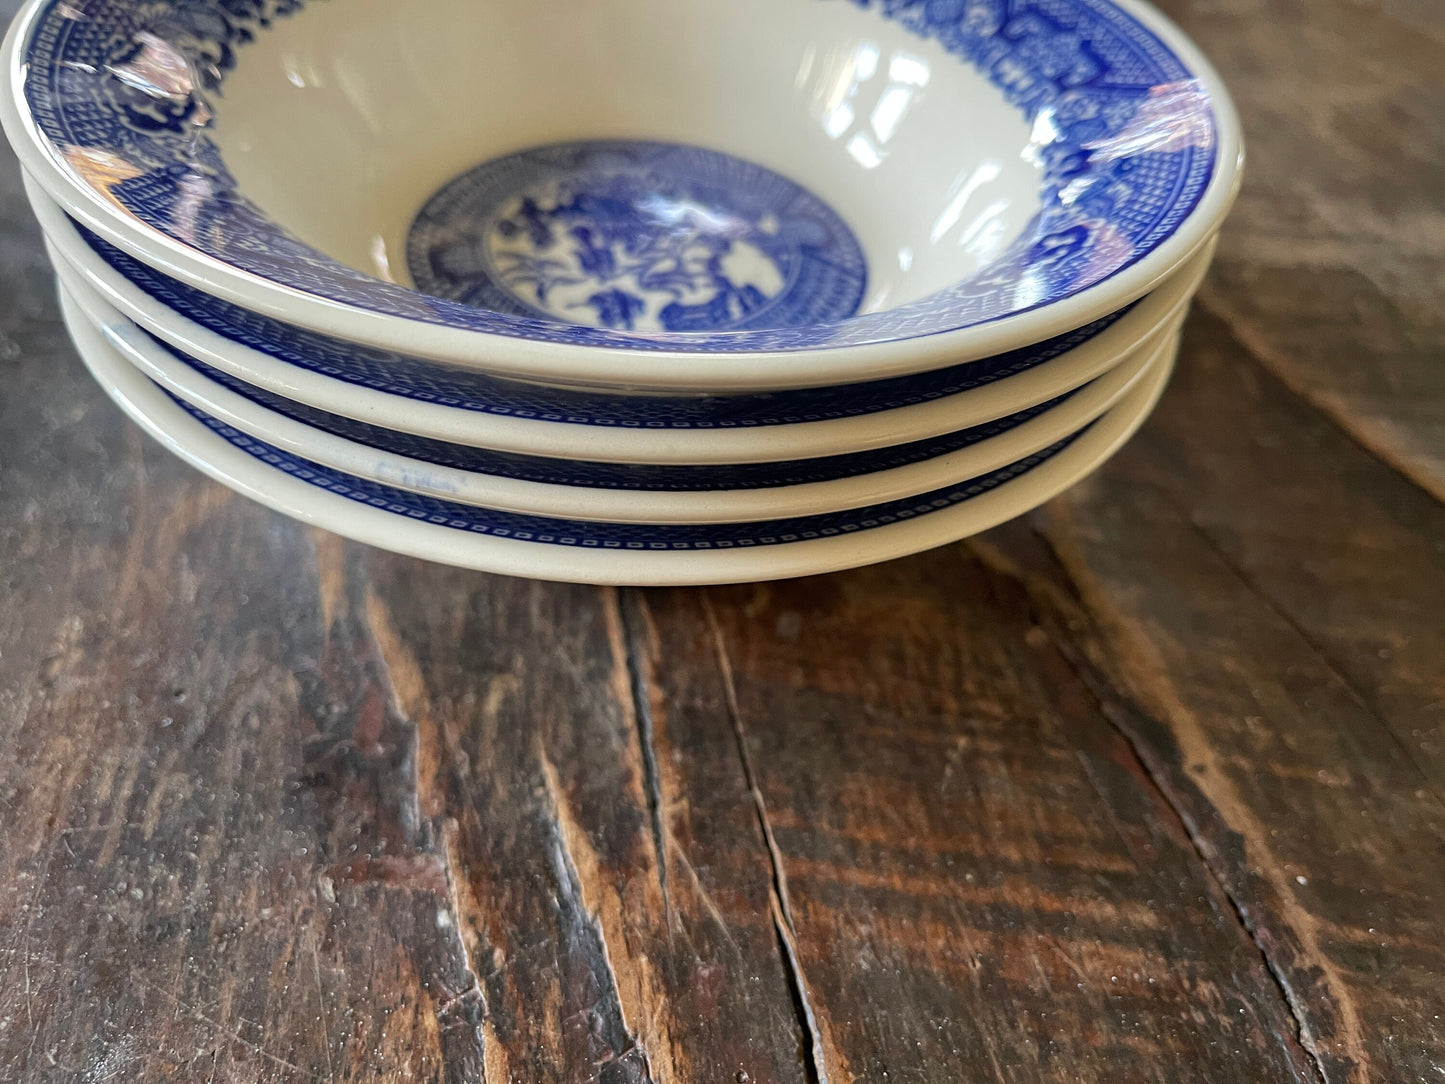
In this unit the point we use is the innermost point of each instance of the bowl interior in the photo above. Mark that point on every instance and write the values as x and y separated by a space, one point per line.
347 118
646 174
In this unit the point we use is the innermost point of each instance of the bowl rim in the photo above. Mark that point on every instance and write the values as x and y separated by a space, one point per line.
561 438
733 505
612 366
193 442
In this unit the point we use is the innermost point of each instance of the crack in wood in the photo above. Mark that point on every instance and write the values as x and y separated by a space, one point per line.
814 1059
1116 710
634 652
813 1062
624 1060
1119 711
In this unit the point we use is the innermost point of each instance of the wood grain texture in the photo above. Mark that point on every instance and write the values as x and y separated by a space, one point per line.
1333 265
985 877
1148 786
1284 666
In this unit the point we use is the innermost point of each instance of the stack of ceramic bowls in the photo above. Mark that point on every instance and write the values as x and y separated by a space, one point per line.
635 292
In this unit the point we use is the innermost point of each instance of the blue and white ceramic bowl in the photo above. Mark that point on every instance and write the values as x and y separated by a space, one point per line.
719 196
626 493
429 399
559 549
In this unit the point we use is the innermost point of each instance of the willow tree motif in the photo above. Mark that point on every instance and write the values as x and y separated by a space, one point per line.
635 250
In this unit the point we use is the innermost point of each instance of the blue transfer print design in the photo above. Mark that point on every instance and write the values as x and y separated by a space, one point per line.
628 476
621 536
122 92
425 381
637 236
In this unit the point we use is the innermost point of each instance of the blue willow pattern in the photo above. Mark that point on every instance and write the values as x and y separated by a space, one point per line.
637 236
628 476
425 381
120 91
624 536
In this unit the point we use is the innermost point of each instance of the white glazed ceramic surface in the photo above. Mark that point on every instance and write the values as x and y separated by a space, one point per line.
1127 337
342 120
183 434
611 505
339 121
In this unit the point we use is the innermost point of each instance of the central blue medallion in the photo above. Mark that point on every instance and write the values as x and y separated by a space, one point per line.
637 236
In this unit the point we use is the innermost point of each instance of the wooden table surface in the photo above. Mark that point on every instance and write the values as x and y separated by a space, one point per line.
1148 786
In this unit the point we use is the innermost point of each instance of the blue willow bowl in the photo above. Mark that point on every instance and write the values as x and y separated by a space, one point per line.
731 196
423 381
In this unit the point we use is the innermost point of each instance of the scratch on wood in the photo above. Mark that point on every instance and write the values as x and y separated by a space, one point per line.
188 1009
121 790
321 1004
708 903
25 938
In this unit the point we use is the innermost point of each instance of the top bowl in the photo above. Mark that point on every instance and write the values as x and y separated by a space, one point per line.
712 196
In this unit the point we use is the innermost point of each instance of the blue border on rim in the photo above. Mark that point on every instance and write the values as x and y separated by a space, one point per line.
625 536
641 477
426 381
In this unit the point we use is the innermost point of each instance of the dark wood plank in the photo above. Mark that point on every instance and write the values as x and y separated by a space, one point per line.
975 877
621 919
1337 544
287 824
1257 605
1251 608
167 898
1333 263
